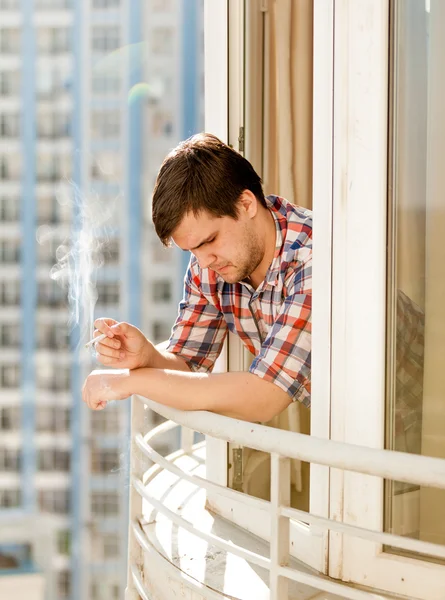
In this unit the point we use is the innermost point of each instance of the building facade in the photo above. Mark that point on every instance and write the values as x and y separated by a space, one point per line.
92 96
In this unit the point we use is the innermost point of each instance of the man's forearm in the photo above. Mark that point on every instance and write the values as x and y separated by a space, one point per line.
162 359
239 395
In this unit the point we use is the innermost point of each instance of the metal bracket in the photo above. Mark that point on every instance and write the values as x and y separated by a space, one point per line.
237 480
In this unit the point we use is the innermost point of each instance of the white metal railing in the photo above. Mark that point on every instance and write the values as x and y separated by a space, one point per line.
283 446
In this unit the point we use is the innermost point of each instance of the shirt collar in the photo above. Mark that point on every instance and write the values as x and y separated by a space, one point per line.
273 272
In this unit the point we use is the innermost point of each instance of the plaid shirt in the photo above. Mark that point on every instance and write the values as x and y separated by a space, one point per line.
273 321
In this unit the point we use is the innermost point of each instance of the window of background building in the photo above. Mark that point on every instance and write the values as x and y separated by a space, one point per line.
53 459
54 501
9 208
105 124
111 251
98 4
52 336
51 81
164 83
161 41
104 460
9 251
9 293
53 40
10 335
51 211
10 459
105 38
64 584
162 291
161 5
161 254
162 123
51 167
101 588
53 419
104 504
9 125
53 377
53 125
52 4
106 166
50 294
161 331
10 40
108 293
10 167
10 498
106 546
46 252
64 542
108 83
9 4
10 418
105 421
10 376
111 545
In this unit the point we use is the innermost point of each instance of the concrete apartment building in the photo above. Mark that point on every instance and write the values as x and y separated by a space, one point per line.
93 94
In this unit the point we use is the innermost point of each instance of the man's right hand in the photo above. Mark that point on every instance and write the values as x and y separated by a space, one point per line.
125 346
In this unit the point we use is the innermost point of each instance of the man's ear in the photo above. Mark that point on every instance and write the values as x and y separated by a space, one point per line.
248 204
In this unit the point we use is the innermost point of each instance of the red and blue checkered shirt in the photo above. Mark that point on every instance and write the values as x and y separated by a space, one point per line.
273 321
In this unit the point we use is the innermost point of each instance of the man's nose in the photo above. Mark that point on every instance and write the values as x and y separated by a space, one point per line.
205 259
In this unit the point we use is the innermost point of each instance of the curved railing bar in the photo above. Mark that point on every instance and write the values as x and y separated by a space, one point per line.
160 429
389 464
316 581
137 579
389 539
322 583
196 479
208 537
146 545
381 537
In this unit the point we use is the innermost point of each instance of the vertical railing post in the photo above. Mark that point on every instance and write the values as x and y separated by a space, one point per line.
187 439
279 535
138 465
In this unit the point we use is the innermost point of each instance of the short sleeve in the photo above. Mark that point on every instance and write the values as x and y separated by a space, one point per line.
200 329
285 355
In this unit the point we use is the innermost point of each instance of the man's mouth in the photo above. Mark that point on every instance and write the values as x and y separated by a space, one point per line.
222 269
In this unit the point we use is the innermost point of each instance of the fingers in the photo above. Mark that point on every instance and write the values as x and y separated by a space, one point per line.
90 400
104 326
107 344
109 351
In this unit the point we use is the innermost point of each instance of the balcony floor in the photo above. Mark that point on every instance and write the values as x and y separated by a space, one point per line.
228 575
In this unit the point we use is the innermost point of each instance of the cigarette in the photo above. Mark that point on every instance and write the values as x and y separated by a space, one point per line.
99 338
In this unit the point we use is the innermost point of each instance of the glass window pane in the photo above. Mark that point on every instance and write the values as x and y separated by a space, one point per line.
415 412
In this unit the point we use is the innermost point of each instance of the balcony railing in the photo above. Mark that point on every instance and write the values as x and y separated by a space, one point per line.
282 446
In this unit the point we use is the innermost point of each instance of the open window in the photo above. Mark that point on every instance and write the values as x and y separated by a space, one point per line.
268 55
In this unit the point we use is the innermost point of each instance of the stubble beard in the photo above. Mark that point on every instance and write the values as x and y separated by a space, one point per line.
253 253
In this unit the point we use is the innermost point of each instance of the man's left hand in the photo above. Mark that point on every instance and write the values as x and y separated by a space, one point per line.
101 386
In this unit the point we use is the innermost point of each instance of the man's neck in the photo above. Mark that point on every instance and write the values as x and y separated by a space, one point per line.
269 234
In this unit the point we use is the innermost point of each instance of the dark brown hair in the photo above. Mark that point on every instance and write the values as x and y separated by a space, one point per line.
201 174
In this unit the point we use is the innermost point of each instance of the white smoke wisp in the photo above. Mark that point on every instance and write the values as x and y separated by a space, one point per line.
81 255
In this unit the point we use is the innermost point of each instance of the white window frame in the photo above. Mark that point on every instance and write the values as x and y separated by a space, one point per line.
359 298
224 117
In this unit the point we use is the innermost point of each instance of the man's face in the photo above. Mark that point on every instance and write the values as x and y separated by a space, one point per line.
230 247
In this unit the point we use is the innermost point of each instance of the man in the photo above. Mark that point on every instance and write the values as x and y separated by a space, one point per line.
250 273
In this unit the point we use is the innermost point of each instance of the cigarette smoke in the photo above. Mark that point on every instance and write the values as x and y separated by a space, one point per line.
81 254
